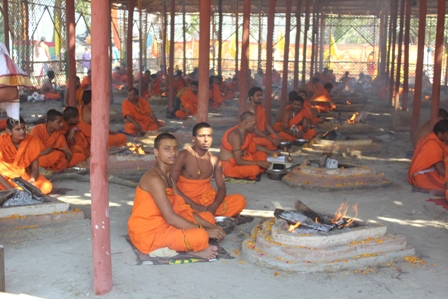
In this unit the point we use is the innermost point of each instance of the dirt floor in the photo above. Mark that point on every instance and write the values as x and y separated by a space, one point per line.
56 261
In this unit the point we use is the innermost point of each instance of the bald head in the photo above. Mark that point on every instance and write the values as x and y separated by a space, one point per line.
246 116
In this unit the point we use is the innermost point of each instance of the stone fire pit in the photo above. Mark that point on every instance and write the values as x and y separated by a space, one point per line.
345 127
311 177
303 250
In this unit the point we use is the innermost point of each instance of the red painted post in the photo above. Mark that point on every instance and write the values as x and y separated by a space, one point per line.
164 38
70 19
286 53
305 39
130 73
244 69
407 26
269 51
171 69
313 45
237 26
204 58
321 43
6 24
438 53
297 45
400 43
101 250
419 68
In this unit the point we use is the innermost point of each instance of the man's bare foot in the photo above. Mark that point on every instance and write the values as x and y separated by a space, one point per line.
210 252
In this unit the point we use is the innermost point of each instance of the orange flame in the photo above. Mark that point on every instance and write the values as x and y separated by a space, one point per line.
342 211
346 87
316 220
135 148
348 103
292 227
352 119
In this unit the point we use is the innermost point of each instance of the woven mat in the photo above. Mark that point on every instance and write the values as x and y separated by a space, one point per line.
181 258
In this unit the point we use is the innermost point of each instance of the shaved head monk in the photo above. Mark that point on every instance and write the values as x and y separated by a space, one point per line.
426 129
19 157
56 153
189 102
77 135
427 170
264 134
192 172
48 90
296 122
85 119
240 156
160 217
138 115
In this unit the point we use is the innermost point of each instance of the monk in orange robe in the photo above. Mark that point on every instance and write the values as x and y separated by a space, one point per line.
230 90
76 133
19 153
240 156
78 95
322 98
155 86
426 128
86 82
264 134
215 98
189 102
2 124
192 172
138 115
160 217
178 84
85 111
56 154
313 86
296 122
48 90
427 169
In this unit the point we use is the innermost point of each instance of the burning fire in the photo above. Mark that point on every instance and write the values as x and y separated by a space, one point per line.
353 118
135 148
342 211
348 103
293 227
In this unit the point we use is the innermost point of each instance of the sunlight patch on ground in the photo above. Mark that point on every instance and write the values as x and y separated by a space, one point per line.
398 203
385 159
258 213
416 223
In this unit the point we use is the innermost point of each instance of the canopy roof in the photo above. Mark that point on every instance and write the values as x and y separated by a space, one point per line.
343 7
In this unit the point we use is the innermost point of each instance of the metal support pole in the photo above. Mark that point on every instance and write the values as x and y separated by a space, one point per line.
164 30
269 51
236 39
321 43
140 52
220 37
407 26
101 249
438 54
297 45
400 43
26 59
244 71
6 25
284 97
184 30
2 269
419 67
305 39
394 15
383 50
70 19
171 68
129 73
260 35
313 46
204 59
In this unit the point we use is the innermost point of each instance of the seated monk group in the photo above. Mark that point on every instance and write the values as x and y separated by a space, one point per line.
19 157
188 101
78 94
48 90
240 156
428 166
322 99
86 82
138 115
77 135
160 218
426 128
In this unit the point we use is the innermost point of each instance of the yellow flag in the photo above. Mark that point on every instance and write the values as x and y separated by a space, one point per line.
280 45
232 46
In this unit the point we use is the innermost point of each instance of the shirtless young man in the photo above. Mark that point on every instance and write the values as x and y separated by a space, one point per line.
192 172
47 88
160 218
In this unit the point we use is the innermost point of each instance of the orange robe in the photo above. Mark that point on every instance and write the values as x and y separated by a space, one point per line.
14 162
56 160
203 193
81 147
86 83
140 114
78 95
312 88
322 99
3 124
189 101
155 89
178 86
149 231
422 174
250 153
230 91
261 125
294 121
215 96
117 81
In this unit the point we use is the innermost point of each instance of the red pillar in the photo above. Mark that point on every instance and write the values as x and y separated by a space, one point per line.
400 42
130 74
297 46
438 53
204 58
164 38
6 24
419 67
383 46
305 39
101 250
286 53
313 44
171 69
236 38
269 50
70 19
321 42
406 56
244 69
393 39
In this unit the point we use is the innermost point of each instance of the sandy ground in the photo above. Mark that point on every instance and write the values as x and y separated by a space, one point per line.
56 261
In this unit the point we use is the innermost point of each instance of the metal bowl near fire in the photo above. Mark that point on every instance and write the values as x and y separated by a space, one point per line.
276 174
285 145
227 223
300 142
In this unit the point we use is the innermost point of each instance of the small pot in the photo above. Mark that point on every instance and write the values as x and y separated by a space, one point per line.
276 174
285 145
300 142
